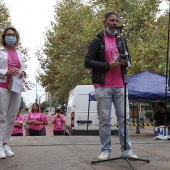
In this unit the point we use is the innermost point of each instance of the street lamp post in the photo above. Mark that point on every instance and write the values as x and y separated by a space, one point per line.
50 102
40 98
36 99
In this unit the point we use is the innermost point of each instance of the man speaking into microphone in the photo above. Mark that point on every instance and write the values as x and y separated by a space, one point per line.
102 57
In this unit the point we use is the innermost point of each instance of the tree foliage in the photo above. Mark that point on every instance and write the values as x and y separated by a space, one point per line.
4 17
76 23
5 21
65 48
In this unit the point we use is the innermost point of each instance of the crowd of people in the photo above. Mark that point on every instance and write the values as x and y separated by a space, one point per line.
36 121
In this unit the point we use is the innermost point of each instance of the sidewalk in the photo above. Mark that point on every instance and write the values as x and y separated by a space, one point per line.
137 131
146 131
77 152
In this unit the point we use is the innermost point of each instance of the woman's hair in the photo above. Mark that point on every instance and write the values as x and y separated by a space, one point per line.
37 105
2 38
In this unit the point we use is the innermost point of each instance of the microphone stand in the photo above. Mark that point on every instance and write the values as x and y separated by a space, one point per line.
124 75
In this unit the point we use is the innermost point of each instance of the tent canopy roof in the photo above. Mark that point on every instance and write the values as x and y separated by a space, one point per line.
144 87
147 86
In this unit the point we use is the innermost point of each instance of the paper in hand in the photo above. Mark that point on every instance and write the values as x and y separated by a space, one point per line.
17 85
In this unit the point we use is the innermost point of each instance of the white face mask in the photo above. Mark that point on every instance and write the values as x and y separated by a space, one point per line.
110 32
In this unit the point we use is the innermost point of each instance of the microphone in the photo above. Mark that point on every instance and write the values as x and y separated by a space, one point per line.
119 26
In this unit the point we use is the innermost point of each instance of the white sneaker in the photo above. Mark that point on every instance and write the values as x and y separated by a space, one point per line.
8 151
2 153
131 155
103 156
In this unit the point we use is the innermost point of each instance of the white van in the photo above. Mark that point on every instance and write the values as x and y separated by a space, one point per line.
77 113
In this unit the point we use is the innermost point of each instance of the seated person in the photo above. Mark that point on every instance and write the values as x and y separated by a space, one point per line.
159 116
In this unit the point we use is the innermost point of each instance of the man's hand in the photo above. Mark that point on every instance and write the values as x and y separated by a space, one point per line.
114 65
122 62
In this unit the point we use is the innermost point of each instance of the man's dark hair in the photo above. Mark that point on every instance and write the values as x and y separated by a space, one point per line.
161 104
58 111
107 14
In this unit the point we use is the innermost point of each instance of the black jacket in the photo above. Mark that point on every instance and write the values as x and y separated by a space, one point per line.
95 58
159 117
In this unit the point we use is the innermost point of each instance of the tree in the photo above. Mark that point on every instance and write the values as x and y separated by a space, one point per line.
4 17
46 104
5 21
75 24
65 48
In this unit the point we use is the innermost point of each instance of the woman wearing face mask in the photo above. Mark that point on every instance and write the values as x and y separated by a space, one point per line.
11 64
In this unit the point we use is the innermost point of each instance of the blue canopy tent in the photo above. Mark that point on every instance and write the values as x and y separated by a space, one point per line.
143 87
147 87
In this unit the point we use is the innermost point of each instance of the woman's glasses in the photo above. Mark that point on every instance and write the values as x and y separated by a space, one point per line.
10 35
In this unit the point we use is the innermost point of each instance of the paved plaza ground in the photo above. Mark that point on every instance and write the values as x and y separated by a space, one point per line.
76 152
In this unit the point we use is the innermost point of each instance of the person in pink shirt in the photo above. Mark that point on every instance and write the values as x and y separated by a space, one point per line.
59 123
106 58
35 120
11 65
18 131
45 122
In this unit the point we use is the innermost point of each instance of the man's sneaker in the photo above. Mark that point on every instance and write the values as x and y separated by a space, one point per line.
2 153
103 156
131 155
8 151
